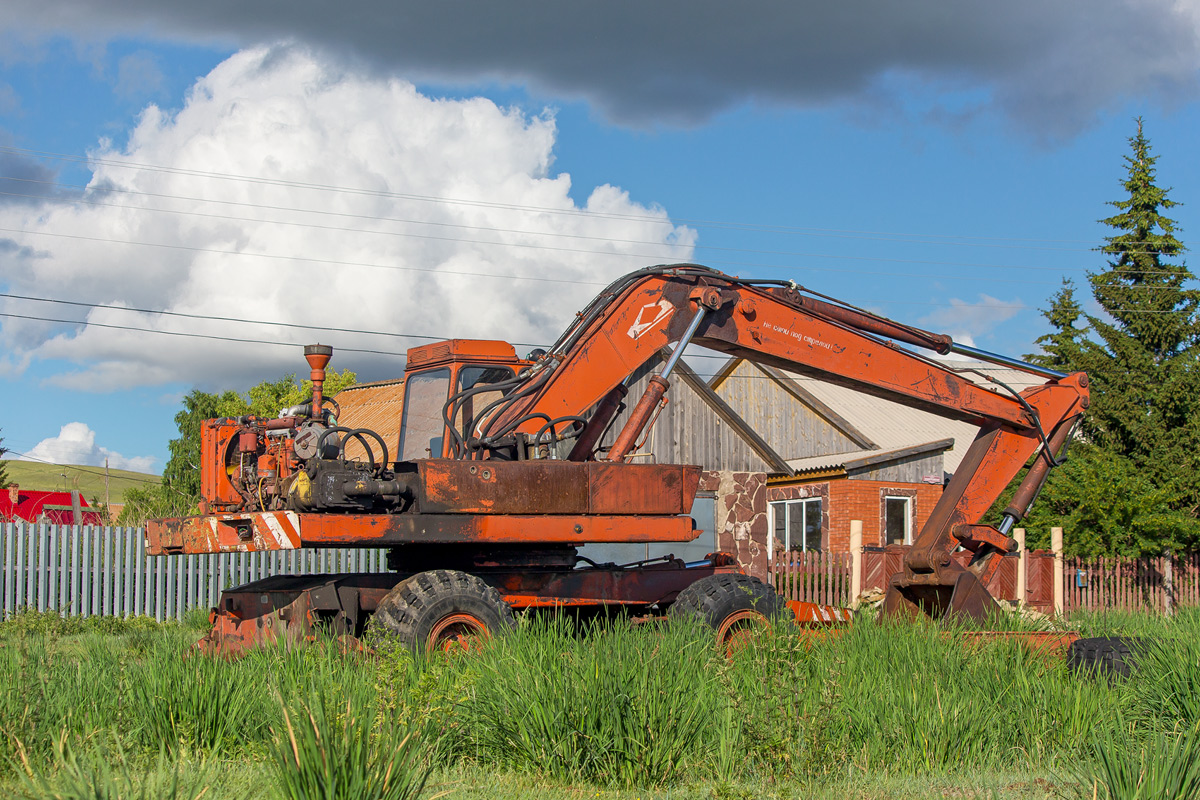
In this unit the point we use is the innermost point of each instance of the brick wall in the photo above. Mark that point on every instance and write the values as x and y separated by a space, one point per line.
863 500
845 500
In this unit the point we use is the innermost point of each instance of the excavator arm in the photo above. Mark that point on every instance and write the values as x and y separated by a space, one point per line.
576 388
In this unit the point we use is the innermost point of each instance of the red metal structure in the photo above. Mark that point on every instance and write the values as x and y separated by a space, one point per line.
499 472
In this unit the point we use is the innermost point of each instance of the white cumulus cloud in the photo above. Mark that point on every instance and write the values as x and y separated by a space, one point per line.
76 445
290 189
968 322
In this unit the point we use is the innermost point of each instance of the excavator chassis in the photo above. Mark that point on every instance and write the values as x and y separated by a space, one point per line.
291 609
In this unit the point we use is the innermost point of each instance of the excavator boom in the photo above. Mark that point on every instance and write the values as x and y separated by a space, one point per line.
779 324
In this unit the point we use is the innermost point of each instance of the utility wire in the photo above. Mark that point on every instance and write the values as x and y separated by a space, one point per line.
77 468
626 256
607 240
950 239
235 319
188 335
906 238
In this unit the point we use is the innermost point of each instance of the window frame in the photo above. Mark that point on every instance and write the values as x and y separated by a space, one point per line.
804 503
909 513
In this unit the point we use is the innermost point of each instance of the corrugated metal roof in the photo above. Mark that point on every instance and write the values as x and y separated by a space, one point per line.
859 458
377 407
893 425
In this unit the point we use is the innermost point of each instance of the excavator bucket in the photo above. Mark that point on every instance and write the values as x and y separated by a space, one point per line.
957 594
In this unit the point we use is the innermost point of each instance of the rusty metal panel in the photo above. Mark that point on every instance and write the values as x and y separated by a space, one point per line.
502 487
641 488
257 532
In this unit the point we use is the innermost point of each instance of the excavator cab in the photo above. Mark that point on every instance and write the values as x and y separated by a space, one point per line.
437 371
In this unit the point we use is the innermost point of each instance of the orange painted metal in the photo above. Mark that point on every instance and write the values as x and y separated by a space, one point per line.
261 531
816 615
447 486
288 609
779 331
485 499
483 350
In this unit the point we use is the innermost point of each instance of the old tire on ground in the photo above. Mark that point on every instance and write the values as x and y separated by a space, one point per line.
442 610
1105 655
735 606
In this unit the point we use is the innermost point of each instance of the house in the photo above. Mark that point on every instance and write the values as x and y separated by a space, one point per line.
58 508
852 456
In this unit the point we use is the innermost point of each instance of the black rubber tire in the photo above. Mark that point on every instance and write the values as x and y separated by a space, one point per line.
714 598
414 607
1105 655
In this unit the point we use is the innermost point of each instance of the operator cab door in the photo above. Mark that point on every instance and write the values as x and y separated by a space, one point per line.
423 431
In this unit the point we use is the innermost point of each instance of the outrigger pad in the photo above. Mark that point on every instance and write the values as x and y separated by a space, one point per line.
965 598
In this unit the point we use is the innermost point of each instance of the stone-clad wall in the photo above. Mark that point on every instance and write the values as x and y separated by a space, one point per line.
741 516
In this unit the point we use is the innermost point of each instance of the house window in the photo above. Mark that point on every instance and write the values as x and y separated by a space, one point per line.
897 519
797 524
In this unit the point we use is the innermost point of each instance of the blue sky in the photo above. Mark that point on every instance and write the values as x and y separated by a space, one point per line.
945 169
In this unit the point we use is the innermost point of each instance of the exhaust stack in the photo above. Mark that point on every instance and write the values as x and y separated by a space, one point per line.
318 356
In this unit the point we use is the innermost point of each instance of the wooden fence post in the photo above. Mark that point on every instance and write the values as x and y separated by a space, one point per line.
1022 566
856 559
1168 583
1056 544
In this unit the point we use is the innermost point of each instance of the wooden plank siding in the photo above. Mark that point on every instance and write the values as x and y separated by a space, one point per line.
687 431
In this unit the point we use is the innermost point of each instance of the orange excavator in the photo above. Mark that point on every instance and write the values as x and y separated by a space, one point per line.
505 466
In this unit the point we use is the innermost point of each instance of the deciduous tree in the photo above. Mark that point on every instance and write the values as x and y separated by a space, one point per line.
179 492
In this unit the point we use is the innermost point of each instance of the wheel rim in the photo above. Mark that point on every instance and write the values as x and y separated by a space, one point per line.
457 632
739 629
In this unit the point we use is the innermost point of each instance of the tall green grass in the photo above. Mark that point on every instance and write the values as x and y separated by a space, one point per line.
612 704
321 756
608 705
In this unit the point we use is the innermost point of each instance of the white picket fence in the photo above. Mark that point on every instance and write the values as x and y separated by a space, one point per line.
93 571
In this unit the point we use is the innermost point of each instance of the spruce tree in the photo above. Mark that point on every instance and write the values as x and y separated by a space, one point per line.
1060 349
1143 365
1132 482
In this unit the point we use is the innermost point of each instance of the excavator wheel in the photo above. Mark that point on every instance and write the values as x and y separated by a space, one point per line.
735 606
442 610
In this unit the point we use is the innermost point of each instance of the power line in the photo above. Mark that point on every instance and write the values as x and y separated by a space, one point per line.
188 335
243 320
625 256
755 227
904 238
77 468
218 319
492 229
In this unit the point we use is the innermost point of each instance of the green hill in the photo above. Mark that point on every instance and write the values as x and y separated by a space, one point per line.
88 480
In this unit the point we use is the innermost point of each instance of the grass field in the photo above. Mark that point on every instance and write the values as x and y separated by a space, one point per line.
88 480
618 711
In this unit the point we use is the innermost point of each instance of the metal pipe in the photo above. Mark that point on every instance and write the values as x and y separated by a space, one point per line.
683 342
996 358
585 445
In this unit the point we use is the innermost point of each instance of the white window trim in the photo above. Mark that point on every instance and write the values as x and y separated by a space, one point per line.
908 515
